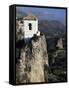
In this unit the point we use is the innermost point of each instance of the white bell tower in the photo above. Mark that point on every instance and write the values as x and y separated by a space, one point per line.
30 26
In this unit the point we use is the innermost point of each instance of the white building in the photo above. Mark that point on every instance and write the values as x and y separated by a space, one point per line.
30 23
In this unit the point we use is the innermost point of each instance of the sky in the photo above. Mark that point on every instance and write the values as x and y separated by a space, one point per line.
45 13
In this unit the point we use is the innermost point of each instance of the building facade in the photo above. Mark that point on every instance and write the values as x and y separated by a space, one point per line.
30 26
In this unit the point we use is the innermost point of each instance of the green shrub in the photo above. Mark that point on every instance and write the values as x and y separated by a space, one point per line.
35 37
41 33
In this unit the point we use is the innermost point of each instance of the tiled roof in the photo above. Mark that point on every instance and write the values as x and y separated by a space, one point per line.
30 17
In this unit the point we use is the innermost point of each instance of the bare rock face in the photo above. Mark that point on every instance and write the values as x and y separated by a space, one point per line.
33 58
60 43
19 30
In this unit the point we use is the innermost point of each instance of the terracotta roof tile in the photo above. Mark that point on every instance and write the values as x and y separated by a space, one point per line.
30 17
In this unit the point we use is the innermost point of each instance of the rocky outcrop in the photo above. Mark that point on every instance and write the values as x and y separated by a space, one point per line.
60 43
33 59
19 30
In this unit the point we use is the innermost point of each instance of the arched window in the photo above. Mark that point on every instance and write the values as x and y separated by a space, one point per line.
30 26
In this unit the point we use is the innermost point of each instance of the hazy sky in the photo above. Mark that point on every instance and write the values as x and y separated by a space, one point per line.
45 13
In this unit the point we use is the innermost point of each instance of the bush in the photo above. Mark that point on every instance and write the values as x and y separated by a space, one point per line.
35 37
41 33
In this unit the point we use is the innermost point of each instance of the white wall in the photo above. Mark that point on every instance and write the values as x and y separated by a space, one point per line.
30 33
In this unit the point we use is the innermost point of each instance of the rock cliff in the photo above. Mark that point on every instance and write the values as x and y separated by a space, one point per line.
32 61
60 43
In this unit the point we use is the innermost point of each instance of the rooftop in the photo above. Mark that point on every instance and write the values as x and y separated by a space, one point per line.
30 17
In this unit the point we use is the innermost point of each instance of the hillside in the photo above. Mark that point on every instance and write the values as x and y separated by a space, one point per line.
54 35
52 28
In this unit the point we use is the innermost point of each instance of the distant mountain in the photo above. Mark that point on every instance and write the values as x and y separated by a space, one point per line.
20 14
52 28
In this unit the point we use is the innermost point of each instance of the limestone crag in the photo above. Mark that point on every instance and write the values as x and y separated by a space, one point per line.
33 57
60 43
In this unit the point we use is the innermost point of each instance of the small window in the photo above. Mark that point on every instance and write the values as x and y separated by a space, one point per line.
30 26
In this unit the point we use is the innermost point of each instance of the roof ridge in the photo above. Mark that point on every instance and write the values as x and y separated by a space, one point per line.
30 16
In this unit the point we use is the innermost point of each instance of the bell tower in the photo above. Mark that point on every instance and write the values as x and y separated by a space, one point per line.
30 25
